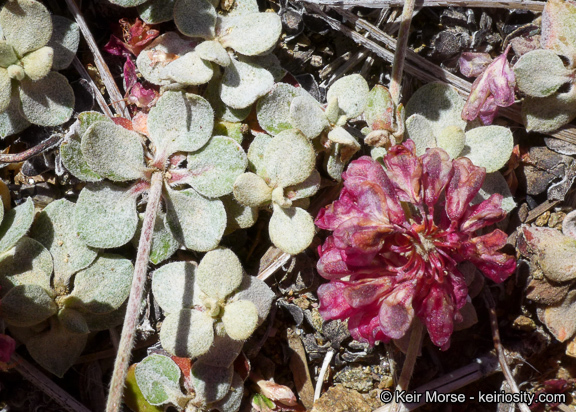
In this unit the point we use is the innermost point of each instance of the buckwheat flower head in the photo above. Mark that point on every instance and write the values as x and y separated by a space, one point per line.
399 233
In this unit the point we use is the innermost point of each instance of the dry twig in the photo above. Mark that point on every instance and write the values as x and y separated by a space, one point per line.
377 4
47 144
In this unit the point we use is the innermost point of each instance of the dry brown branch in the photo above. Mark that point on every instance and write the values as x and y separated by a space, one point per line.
47 144
95 90
299 368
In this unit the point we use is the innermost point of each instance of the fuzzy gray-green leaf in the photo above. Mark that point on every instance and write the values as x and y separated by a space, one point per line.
238 215
52 228
173 286
250 34
64 41
187 333
215 167
233 399
180 122
352 94
291 229
419 130
47 102
307 116
210 383
213 51
11 120
163 243
223 351
195 221
103 286
251 190
489 147
540 73
73 321
240 319
157 11
27 305
189 70
113 152
243 83
256 153
547 114
27 263
56 349
105 215
15 224
219 273
273 109
195 18
26 25
158 377
289 158
257 292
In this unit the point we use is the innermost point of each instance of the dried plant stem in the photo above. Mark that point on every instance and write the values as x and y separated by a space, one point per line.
377 4
489 300
49 143
41 381
400 53
115 95
410 360
134 301
325 366
97 94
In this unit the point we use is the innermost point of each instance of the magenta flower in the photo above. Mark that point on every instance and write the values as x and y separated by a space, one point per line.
492 89
398 235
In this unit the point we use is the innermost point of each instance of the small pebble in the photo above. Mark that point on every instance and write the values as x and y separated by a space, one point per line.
542 220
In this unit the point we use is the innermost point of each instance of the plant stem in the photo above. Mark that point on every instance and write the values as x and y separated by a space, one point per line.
410 360
400 53
134 301
49 143
377 4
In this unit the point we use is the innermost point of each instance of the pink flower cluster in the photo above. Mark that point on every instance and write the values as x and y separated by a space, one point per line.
399 233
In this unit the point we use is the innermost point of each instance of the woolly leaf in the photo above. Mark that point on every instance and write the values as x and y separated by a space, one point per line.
113 152
223 351
27 305
56 349
189 70
195 221
11 120
334 163
244 83
452 139
221 111
307 188
64 41
210 383
27 263
128 3
495 183
233 399
105 215
71 150
215 167
257 292
307 116
379 111
229 129
5 89
273 109
250 34
352 94
52 228
133 397
243 7
15 224
489 147
213 51
291 229
47 102
157 11
549 113
173 286
73 321
440 104
256 153
187 333
251 190
38 63
195 18
289 158
154 59
103 321
269 62
540 73
238 216
240 319
158 377
419 130
103 286
7 56
559 28
559 319
180 122
219 273
346 140
163 243
26 25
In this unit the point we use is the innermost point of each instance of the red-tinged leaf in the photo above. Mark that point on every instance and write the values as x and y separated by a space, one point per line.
559 28
473 64
137 35
185 364
125 123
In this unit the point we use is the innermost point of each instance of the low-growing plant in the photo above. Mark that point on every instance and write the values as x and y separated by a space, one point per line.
541 74
33 45
66 291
